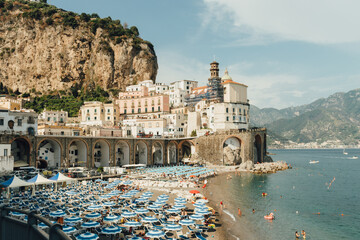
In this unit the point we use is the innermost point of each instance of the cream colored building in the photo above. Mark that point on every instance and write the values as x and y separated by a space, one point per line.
51 117
10 103
59 130
99 114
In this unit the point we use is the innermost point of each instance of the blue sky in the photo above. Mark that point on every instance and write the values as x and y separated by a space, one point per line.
288 52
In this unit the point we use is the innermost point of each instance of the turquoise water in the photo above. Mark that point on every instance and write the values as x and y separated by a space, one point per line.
296 195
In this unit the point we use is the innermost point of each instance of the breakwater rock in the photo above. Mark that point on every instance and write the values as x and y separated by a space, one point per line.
269 167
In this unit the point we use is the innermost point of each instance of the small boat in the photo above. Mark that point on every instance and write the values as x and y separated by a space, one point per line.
354 157
313 161
345 153
269 217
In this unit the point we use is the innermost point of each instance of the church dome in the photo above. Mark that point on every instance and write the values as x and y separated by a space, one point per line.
226 76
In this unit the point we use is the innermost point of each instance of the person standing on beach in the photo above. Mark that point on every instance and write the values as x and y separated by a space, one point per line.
239 212
253 210
221 204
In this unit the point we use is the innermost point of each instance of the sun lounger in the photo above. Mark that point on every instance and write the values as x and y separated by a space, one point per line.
184 237
200 236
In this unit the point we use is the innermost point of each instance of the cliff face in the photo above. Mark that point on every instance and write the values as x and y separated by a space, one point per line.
35 54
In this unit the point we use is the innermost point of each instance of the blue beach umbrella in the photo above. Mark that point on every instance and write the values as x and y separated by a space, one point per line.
87 236
68 229
196 217
186 222
149 219
58 213
173 210
42 225
199 204
90 224
201 209
111 230
180 201
94 207
173 227
179 206
203 212
126 196
142 199
128 214
155 234
132 224
111 218
73 219
154 207
17 214
141 210
93 215
72 192
135 238
109 204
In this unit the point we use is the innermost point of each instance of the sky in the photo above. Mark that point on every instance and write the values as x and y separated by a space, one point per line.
288 52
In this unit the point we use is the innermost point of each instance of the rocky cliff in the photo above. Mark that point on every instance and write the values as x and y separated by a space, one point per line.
43 48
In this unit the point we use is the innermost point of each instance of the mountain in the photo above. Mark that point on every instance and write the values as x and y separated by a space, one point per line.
334 120
43 48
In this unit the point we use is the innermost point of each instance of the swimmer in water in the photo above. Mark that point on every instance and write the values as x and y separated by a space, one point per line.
253 210
303 233
297 235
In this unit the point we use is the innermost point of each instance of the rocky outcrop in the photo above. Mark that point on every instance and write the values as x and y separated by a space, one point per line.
196 159
248 165
232 156
270 167
45 56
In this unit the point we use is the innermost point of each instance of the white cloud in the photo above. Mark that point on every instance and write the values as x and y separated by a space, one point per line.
316 21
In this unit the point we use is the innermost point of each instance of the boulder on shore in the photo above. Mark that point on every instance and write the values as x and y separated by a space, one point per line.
232 156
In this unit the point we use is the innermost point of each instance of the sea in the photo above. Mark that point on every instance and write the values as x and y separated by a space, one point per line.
322 198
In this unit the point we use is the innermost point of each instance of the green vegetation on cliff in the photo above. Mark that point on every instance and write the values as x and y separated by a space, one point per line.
70 101
51 15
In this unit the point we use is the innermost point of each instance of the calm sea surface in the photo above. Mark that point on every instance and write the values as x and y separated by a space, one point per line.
296 196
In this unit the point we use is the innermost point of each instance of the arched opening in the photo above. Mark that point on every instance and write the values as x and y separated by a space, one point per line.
186 150
232 151
122 153
141 153
257 149
20 149
77 154
101 154
157 154
172 153
49 154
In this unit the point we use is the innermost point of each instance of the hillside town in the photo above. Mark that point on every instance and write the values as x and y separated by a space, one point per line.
145 110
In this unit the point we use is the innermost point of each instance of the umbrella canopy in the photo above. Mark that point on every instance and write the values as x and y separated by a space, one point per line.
94 207
202 201
186 222
59 177
132 224
149 219
128 214
179 206
194 191
202 212
90 224
73 219
87 236
38 179
155 234
111 218
135 238
111 230
154 207
109 204
15 182
196 217
141 210
173 210
72 192
17 214
199 204
58 213
93 215
173 227
68 229
42 225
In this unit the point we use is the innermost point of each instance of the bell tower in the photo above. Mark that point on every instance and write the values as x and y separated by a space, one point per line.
214 70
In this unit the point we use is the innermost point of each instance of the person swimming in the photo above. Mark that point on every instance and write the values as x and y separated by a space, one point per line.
297 235
303 233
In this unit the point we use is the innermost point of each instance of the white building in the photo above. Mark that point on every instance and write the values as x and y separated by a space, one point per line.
155 126
99 114
176 124
59 130
179 90
18 122
6 160
10 102
51 117
152 87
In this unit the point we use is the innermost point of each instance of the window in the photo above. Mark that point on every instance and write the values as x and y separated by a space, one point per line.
132 111
233 109
62 133
139 110
159 108
1 122
146 110
95 118
76 152
227 119
124 111
88 110
227 110
19 122
153 109
54 119
88 118
95 110
5 152
108 110
108 118
233 118
114 110
157 124
49 118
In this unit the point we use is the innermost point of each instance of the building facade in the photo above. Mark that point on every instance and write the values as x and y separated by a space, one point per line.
99 114
51 117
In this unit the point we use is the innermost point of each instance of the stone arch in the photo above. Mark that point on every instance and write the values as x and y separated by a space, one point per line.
21 149
232 150
258 152
122 153
101 153
172 150
77 155
186 149
48 152
141 152
157 153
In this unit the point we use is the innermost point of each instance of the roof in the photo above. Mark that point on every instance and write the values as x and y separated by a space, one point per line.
15 182
59 177
38 179
198 88
232 82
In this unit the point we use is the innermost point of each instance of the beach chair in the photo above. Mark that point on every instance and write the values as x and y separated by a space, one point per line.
184 237
199 236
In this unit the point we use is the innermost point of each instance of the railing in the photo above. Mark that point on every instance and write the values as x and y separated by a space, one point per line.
14 229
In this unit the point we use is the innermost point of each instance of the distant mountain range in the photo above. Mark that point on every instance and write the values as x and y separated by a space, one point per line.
327 121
